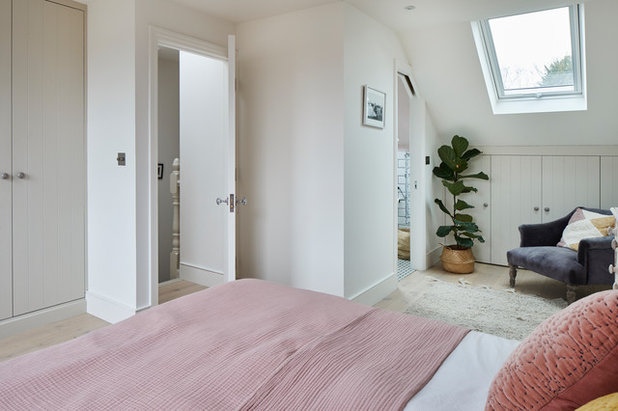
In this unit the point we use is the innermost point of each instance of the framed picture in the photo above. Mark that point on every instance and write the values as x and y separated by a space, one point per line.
373 107
160 171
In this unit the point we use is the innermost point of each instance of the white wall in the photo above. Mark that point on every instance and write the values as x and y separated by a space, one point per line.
370 51
111 129
291 148
168 151
447 69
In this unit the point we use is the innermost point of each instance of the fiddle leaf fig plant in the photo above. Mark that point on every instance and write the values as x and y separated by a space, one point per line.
455 159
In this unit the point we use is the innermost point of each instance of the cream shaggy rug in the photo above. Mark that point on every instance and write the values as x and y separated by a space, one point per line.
504 313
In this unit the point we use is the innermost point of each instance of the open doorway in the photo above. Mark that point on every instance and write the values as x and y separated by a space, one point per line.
168 153
404 189
192 163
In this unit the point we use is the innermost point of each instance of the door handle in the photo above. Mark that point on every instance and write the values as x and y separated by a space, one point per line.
5 176
222 201
536 209
21 175
546 209
242 201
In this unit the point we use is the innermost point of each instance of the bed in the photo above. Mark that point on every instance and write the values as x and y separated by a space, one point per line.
257 345
250 344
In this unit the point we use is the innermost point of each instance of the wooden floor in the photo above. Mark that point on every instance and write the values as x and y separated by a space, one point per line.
74 327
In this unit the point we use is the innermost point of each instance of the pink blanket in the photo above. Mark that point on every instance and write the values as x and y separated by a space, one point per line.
243 345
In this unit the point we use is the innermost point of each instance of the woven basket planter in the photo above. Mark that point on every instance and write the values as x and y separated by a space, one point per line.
458 261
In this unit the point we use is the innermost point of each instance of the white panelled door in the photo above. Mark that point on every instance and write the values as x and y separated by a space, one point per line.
6 287
48 155
207 168
568 182
482 203
609 182
515 199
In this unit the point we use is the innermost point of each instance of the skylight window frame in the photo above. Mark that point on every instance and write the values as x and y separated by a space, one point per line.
576 24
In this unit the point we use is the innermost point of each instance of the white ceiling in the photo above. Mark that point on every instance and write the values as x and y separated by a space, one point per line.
389 12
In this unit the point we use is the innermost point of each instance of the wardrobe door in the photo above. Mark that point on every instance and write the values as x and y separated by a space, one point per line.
609 182
568 182
6 294
48 155
515 200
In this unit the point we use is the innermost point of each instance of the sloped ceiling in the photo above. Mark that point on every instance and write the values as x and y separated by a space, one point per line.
448 73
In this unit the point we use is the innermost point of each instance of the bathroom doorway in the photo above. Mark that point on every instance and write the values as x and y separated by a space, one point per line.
404 191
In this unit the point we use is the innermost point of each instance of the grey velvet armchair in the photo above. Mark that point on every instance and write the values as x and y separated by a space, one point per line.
538 253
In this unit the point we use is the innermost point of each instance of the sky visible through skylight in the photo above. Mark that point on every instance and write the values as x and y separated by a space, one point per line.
526 44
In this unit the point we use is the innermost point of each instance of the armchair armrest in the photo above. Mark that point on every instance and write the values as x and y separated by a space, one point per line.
546 234
597 243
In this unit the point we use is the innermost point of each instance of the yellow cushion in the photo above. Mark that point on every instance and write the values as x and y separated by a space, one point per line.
605 403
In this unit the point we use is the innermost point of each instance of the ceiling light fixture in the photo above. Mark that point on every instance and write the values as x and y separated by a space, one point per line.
410 7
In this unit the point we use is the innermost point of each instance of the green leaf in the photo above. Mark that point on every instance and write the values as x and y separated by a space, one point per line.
471 153
454 188
464 218
480 175
481 239
467 189
444 172
444 230
464 242
448 157
442 206
462 205
460 145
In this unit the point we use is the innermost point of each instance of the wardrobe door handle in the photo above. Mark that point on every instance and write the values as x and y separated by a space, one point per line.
546 209
4 176
536 209
21 175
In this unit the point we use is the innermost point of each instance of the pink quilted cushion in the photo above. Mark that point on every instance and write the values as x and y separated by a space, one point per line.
569 360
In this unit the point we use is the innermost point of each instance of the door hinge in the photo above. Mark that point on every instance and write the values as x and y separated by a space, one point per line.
232 203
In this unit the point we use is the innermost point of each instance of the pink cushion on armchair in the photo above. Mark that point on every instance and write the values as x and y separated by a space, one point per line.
569 360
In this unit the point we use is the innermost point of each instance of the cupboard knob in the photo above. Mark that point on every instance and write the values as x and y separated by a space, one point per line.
4 176
536 209
546 209
21 175
485 205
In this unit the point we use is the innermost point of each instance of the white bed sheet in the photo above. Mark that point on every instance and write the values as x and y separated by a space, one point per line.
462 381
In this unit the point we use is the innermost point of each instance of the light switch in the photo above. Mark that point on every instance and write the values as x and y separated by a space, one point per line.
122 159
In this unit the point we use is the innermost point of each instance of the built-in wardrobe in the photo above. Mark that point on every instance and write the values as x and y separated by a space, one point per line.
42 157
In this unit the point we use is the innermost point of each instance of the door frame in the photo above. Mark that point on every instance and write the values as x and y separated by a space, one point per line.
418 213
159 37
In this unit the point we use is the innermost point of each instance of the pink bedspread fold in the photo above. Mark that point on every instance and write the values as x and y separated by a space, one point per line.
243 345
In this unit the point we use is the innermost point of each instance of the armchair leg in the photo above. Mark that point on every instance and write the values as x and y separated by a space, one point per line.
512 275
571 293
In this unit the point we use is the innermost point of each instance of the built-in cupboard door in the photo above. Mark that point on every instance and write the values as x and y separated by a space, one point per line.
6 294
48 155
515 200
568 182
609 182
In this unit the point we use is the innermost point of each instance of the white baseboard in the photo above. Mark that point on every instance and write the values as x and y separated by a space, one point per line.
200 276
433 257
377 292
107 308
42 317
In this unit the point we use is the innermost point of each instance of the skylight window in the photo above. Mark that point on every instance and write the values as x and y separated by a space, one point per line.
534 57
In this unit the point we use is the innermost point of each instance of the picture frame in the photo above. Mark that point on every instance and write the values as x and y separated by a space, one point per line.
160 171
374 102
